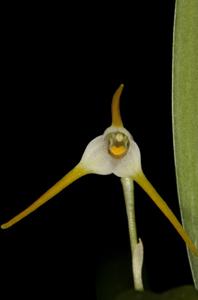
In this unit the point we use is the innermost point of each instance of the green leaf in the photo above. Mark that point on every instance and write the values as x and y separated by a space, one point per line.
185 117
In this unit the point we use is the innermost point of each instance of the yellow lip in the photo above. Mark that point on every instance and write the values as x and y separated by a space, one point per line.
118 152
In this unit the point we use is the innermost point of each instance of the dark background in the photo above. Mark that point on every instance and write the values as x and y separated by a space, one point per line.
60 67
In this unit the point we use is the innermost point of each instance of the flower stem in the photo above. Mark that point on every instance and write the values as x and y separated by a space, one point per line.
136 247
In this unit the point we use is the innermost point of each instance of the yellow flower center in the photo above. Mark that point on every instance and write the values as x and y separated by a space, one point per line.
118 144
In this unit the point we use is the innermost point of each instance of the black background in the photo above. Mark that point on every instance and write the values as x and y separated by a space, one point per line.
60 67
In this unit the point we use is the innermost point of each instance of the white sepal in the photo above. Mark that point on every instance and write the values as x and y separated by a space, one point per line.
130 164
96 158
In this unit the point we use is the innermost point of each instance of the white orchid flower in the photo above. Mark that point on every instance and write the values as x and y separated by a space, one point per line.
115 151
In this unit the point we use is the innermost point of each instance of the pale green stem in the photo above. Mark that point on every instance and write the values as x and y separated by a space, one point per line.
136 247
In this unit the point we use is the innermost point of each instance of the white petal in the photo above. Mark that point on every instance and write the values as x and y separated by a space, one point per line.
130 164
96 158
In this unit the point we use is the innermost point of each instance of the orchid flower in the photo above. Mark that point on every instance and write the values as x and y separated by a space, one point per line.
113 152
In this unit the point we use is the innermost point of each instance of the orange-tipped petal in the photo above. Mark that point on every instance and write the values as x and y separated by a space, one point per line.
116 117
149 189
70 177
